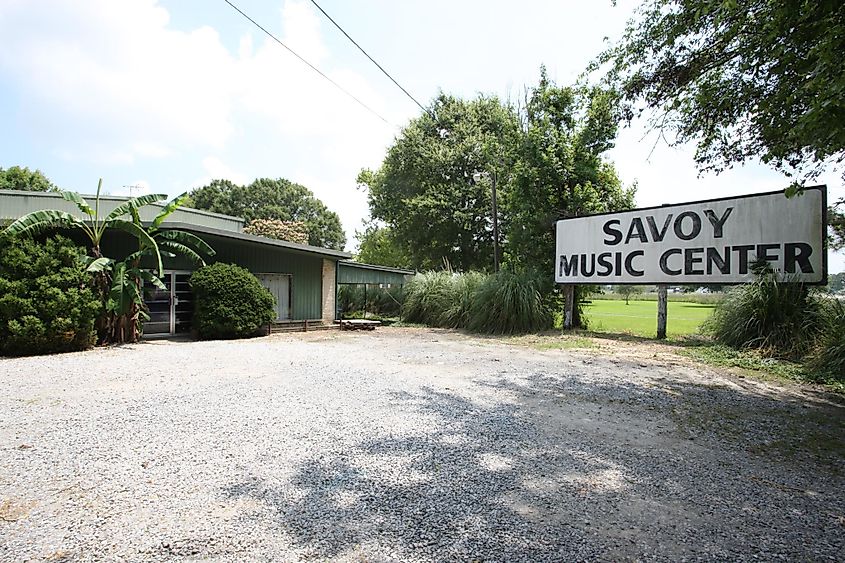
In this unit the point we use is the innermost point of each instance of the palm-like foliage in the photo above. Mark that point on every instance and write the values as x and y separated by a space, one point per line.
120 282
95 226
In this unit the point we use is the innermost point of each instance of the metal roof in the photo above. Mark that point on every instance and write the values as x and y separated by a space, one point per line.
353 264
16 203
305 248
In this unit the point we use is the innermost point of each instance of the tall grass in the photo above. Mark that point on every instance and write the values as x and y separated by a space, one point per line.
777 317
828 356
458 303
427 296
509 303
503 303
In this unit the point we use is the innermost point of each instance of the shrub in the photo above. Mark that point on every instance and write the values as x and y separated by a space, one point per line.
509 303
47 302
229 302
828 356
777 317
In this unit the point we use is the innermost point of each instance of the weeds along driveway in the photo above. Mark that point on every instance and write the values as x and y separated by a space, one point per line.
409 445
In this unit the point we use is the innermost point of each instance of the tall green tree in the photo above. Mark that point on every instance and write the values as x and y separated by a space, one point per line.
743 80
559 170
425 190
24 179
379 245
266 198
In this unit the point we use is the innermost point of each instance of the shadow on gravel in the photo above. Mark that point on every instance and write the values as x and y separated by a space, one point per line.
559 471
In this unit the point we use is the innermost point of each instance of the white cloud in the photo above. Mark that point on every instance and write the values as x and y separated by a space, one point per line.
216 169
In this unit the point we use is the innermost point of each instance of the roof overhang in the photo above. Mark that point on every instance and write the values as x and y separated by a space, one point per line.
252 239
376 267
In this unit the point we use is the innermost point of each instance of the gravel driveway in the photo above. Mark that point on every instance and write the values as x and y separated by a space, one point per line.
410 445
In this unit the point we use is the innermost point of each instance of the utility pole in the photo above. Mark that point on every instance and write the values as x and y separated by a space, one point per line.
477 176
495 227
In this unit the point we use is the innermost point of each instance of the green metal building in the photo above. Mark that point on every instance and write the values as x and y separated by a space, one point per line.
302 278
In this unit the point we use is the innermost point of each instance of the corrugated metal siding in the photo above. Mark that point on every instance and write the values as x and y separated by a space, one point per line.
14 204
348 273
305 270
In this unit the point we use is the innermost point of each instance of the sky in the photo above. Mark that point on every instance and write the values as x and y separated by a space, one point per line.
164 95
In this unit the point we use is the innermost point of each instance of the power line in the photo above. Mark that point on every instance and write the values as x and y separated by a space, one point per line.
314 68
337 25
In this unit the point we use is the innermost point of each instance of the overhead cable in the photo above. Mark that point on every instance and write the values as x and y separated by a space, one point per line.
387 74
314 68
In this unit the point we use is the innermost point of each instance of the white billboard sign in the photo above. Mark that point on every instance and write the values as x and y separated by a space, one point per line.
703 242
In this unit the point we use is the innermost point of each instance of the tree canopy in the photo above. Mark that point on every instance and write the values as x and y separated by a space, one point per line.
425 191
379 245
743 80
559 169
433 190
24 179
266 198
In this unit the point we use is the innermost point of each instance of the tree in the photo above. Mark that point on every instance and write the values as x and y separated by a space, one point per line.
754 79
266 198
379 245
627 291
836 283
425 190
24 179
559 171
836 223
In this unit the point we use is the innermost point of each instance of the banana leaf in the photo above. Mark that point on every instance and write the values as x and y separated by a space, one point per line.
146 241
188 239
79 201
171 206
44 220
134 203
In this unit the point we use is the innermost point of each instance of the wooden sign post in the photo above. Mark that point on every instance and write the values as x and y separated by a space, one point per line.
662 305
569 306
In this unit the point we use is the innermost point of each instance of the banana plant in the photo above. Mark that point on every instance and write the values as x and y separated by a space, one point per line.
120 282
94 226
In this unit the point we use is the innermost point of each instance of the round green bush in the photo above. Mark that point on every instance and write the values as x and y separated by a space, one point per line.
47 300
229 302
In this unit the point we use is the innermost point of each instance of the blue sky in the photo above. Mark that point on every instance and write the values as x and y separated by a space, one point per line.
168 94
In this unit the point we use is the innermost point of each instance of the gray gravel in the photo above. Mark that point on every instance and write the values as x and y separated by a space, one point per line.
410 445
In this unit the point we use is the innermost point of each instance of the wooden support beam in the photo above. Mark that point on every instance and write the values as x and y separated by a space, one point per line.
662 305
569 306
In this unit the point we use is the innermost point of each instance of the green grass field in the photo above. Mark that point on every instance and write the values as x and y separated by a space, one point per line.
640 317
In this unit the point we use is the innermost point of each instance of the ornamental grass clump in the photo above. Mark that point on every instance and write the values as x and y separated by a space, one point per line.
828 356
775 316
509 303
427 296
459 297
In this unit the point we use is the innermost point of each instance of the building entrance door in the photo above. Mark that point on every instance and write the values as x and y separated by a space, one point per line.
279 287
172 308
